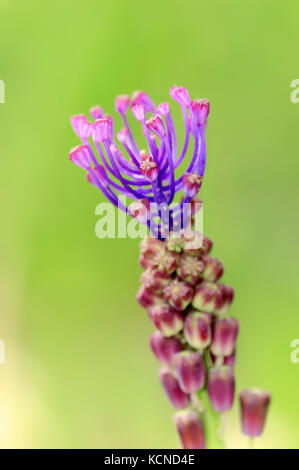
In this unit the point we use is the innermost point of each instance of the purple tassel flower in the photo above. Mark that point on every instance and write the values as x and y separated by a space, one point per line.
148 174
180 288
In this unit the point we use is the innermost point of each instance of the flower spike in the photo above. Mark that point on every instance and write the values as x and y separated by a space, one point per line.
195 339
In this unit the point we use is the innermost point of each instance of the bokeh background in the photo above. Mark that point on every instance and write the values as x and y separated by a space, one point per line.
78 370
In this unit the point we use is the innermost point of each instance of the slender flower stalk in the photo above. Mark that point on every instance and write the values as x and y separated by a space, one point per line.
195 338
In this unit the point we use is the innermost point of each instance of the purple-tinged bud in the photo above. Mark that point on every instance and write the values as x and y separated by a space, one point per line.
193 241
227 296
175 244
148 167
225 332
147 298
139 112
213 269
102 130
191 184
221 388
201 109
191 371
166 261
140 97
122 135
80 156
100 174
190 429
149 248
163 109
155 125
140 210
197 330
122 102
254 406
190 269
154 279
206 243
166 319
172 91
177 397
82 127
96 112
207 297
164 348
181 95
178 294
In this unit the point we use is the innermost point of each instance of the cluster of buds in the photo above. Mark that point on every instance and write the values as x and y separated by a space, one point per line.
180 286
196 337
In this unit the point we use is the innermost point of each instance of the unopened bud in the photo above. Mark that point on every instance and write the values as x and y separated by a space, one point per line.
227 296
225 332
96 112
147 298
122 103
177 397
191 371
254 406
140 210
221 388
163 109
207 297
81 126
164 348
166 261
197 330
201 109
155 279
181 95
190 269
139 112
175 243
191 184
166 319
140 97
149 248
102 130
80 156
178 294
155 124
190 429
213 269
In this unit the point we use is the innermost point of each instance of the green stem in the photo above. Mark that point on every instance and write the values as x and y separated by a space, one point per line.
212 423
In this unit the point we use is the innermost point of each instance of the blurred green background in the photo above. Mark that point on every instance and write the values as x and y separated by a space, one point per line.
78 371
